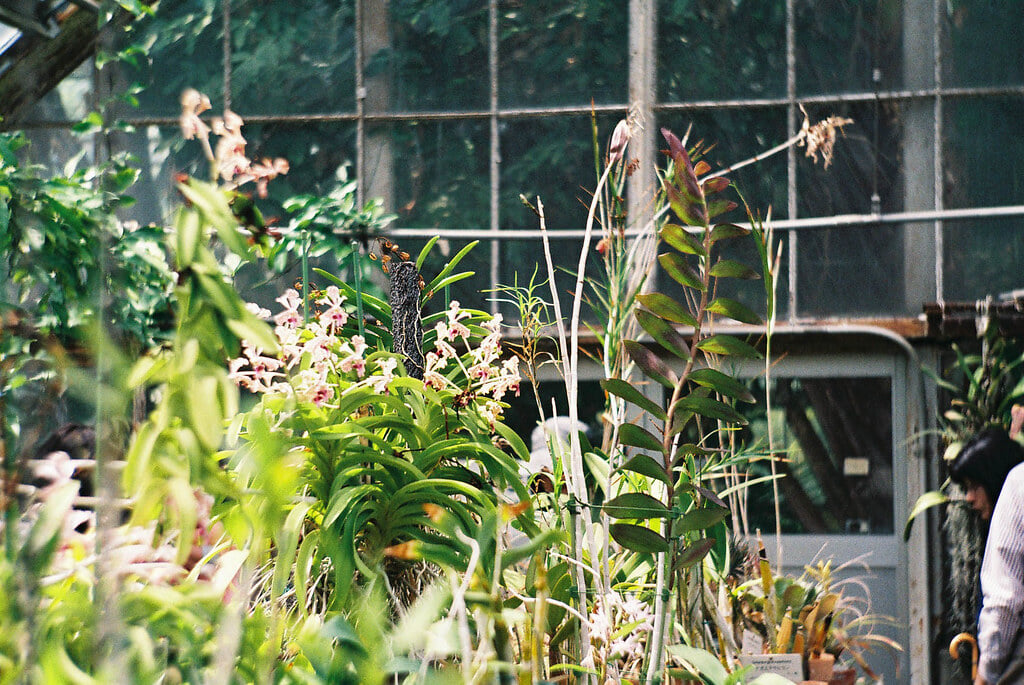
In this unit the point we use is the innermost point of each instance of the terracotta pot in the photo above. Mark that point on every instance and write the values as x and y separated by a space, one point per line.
820 668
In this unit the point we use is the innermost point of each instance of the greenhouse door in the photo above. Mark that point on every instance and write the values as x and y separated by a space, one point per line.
840 422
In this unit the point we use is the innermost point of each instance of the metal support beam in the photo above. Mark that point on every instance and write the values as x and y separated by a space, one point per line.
922 255
919 157
642 96
495 154
375 164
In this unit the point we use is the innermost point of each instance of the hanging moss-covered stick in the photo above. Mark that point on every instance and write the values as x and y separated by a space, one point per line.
407 327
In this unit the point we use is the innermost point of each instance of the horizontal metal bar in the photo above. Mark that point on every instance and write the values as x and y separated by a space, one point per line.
840 98
851 220
577 110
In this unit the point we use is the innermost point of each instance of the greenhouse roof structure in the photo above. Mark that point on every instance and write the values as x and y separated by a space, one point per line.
41 43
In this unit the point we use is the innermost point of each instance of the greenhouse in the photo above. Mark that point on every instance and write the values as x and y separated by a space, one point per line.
509 341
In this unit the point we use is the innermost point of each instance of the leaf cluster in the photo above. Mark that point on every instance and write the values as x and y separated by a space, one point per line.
700 393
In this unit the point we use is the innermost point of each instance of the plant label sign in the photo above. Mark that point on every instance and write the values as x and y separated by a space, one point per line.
786 665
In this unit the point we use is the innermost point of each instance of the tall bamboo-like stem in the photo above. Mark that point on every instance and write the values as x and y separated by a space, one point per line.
770 265
769 330
572 381
570 350
574 518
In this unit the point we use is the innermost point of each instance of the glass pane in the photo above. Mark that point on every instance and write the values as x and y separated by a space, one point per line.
552 158
293 57
852 271
982 257
160 154
442 174
68 102
750 292
983 45
721 49
839 44
983 152
836 438
185 51
54 147
562 52
865 162
437 58
319 155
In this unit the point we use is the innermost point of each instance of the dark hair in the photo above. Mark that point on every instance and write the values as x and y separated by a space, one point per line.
986 459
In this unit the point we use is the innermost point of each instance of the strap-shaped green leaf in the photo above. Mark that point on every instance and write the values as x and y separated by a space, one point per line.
620 388
728 345
286 544
709 408
724 231
681 239
689 212
221 295
718 207
188 237
663 332
721 383
715 185
667 308
213 204
638 538
728 268
706 663
343 498
650 363
734 310
694 553
450 266
676 266
924 502
646 466
635 505
439 285
425 251
254 331
42 538
635 436
699 519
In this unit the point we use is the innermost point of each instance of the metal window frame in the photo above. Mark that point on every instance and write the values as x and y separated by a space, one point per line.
643 87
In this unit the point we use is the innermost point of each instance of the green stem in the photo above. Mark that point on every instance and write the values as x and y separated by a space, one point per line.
305 277
357 276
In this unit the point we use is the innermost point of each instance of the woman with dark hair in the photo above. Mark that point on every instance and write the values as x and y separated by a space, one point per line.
990 471
982 465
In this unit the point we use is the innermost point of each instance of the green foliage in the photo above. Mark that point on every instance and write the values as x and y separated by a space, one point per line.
329 223
674 515
983 390
51 232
